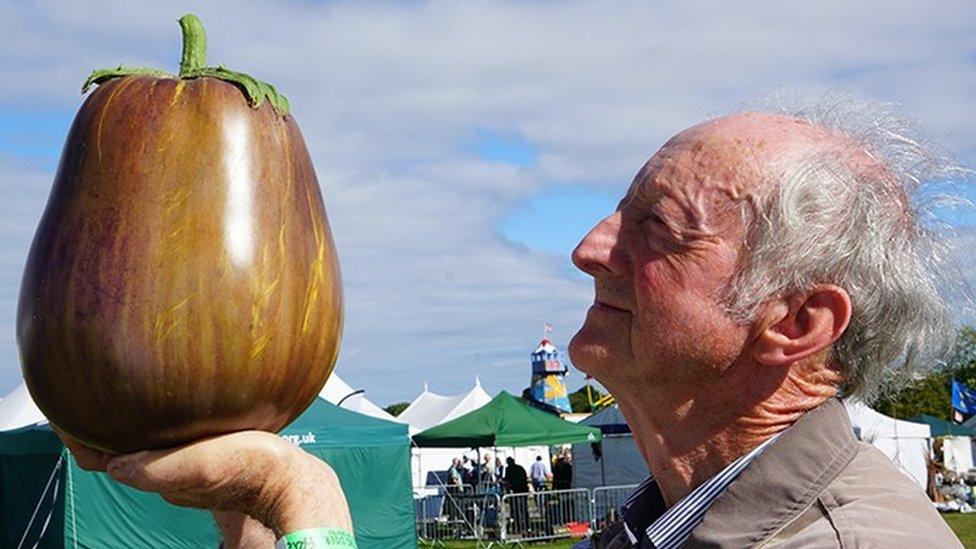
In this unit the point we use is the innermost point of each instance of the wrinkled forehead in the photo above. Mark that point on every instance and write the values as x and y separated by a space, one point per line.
692 164
697 182
722 162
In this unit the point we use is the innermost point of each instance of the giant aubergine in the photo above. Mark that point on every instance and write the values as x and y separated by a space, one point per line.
183 280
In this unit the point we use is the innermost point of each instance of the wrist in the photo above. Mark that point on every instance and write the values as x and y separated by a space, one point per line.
318 538
240 530
304 492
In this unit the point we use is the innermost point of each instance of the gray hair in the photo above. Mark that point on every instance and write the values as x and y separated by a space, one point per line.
869 232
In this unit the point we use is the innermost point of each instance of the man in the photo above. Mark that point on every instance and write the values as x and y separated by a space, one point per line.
487 469
758 265
454 473
539 473
562 472
499 470
517 482
468 471
562 479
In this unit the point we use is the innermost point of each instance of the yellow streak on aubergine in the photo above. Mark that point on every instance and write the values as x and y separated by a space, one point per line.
317 266
167 320
177 91
108 102
258 346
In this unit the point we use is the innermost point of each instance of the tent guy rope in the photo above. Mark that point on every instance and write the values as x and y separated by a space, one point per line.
57 466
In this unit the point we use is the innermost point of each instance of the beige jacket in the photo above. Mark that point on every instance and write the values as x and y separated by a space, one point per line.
816 486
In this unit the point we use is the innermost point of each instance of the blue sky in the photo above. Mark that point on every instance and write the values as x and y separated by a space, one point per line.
35 136
557 217
463 150
953 202
512 148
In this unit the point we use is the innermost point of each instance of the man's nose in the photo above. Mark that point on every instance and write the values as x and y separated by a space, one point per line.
600 253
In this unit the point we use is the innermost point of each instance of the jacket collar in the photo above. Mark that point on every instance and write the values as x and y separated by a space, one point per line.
782 482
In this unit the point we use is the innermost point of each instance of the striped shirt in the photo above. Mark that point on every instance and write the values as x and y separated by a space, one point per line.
672 528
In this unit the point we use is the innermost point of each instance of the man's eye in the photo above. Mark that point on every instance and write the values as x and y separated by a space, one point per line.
654 219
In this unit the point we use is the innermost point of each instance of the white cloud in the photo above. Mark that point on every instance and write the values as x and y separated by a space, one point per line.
959 274
23 192
389 93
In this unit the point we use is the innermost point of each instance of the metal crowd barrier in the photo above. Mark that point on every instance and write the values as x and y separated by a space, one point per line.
547 514
452 488
456 513
453 515
607 501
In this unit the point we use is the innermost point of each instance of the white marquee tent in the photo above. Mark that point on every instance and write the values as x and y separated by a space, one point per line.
906 443
338 392
18 410
430 409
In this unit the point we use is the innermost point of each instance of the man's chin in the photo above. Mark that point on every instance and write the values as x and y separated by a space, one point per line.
577 354
589 353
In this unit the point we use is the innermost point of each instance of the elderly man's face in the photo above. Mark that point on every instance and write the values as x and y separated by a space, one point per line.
663 261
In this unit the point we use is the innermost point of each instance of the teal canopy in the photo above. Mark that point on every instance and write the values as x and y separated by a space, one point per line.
505 421
941 427
46 498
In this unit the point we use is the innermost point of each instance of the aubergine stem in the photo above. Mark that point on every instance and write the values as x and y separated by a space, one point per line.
193 65
194 45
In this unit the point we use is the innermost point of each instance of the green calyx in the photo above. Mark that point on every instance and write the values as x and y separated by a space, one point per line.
193 65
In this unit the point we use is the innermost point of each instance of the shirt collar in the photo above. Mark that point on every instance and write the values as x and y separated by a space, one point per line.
672 529
646 516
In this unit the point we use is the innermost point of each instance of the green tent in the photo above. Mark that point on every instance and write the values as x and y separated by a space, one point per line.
45 497
505 421
941 427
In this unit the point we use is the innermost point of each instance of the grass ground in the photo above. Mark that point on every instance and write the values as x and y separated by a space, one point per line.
963 525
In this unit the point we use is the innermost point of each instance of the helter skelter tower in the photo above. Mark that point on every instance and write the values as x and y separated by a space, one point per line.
547 375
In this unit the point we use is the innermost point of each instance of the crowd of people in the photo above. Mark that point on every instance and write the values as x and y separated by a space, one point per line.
491 473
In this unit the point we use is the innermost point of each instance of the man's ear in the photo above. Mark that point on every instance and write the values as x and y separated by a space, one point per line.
802 325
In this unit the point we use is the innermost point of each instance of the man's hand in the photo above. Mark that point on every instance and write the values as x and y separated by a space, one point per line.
251 472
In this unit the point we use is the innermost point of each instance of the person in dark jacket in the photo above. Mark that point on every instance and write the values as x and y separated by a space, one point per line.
562 473
562 479
517 482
